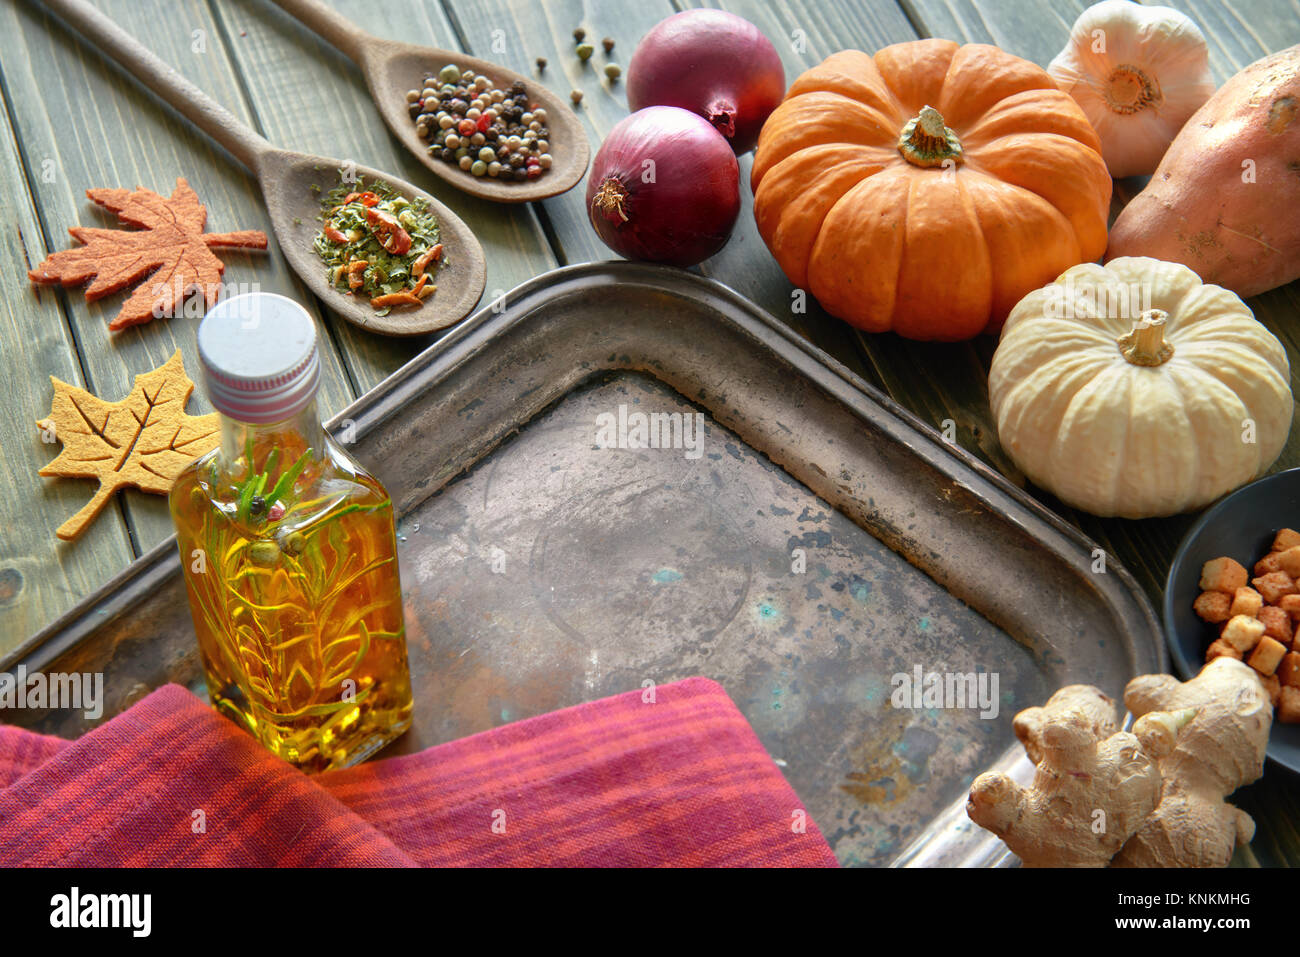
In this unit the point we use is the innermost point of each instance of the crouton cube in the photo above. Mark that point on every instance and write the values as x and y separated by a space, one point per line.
1272 562
1220 648
1267 656
1290 561
1291 605
1277 624
1246 601
1223 574
1284 539
1288 672
1274 586
1214 606
1288 706
1272 688
1242 632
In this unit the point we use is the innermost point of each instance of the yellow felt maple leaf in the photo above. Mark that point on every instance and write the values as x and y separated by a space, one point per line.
143 441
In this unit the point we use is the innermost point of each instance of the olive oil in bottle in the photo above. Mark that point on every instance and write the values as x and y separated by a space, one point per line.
289 552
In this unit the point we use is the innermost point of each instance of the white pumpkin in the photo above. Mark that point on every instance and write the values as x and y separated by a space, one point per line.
1133 389
1138 72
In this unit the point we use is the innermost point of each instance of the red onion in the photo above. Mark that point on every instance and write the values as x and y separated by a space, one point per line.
664 187
712 63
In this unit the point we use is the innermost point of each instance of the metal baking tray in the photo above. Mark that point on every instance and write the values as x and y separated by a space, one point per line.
815 542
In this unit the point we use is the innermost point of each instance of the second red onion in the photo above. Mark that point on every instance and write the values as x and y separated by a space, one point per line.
712 63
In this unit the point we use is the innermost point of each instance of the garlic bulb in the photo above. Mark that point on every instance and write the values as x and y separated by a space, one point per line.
1138 72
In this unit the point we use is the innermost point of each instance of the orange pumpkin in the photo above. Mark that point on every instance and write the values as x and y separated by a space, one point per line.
928 188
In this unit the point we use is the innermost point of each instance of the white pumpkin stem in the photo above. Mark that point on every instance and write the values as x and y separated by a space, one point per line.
925 141
1145 345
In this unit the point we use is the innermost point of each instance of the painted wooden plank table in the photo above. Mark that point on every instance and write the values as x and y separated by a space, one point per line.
71 120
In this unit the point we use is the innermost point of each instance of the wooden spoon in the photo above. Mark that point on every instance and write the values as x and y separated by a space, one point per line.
286 179
392 68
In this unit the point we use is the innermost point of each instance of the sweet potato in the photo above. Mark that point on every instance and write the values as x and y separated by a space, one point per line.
1224 198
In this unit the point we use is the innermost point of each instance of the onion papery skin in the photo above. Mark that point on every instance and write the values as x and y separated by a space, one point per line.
664 187
712 63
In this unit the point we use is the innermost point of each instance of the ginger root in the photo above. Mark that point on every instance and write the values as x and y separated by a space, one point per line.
1153 797
1219 750
1097 711
1093 788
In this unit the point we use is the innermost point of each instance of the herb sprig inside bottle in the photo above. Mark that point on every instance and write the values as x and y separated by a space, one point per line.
261 496
376 242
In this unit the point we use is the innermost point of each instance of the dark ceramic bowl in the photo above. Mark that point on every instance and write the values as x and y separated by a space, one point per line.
1240 526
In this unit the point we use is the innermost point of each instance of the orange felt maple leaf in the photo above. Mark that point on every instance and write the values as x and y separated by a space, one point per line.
170 240
144 441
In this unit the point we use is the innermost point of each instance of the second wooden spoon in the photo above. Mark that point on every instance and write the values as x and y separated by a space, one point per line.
392 68
292 186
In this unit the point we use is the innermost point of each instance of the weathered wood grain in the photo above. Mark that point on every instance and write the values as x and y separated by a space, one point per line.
1033 29
40 577
310 97
1241 32
100 128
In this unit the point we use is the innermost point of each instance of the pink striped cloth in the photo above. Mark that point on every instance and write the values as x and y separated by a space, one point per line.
23 751
681 781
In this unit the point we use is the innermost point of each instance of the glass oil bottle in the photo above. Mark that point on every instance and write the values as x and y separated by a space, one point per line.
289 552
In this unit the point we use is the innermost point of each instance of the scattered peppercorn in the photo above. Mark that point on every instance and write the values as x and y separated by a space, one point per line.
471 123
613 71
579 35
576 97
584 51
541 64
608 44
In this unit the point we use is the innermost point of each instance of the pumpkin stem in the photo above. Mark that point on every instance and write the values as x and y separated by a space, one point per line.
1129 90
927 142
1145 345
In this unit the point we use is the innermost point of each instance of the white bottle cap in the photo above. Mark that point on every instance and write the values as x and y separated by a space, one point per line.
259 357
